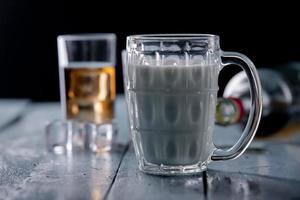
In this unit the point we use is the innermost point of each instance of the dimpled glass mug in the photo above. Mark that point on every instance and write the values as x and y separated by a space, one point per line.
171 85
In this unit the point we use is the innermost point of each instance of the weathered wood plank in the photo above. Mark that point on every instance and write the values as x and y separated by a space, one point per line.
273 158
11 111
267 169
226 185
266 159
132 184
234 181
28 171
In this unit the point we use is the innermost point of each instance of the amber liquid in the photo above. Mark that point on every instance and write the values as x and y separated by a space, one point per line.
90 93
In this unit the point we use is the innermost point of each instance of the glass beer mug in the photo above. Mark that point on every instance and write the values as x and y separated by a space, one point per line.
171 85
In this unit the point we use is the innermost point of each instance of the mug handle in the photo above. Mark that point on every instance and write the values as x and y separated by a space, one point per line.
233 58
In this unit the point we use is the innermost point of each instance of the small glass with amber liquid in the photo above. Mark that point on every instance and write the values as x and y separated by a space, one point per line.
88 86
90 93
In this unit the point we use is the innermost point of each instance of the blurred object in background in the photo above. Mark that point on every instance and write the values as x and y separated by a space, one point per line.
88 91
281 98
229 111
87 76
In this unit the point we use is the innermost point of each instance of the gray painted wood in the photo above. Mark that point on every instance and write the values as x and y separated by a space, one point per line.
258 174
28 171
130 183
11 110
266 170
266 159
275 158
233 185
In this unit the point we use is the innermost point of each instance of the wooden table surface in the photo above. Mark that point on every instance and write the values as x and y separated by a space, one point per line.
269 169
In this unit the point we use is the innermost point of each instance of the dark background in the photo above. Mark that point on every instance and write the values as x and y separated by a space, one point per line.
28 31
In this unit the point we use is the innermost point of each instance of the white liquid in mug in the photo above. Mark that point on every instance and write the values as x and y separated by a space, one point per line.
172 112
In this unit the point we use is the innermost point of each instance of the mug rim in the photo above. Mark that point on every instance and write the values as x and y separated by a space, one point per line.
176 36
